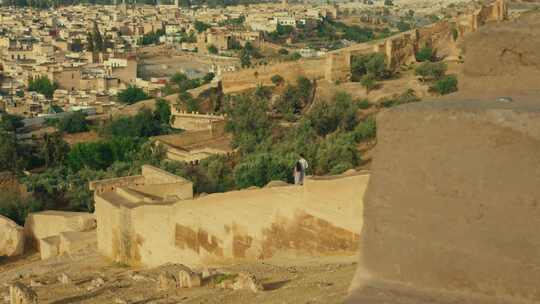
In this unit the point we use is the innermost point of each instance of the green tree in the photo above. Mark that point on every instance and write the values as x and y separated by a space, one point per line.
245 59
374 64
289 102
143 124
208 77
10 122
328 117
54 149
201 26
99 45
73 123
42 85
131 95
336 154
90 42
9 158
162 113
368 81
261 168
305 89
17 208
366 130
248 121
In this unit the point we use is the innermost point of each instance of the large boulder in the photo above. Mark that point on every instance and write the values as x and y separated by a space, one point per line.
11 238
453 203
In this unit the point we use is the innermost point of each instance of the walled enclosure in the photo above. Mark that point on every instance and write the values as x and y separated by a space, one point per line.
320 218
399 49
453 201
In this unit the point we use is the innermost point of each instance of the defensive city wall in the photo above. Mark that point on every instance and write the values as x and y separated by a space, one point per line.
154 227
400 49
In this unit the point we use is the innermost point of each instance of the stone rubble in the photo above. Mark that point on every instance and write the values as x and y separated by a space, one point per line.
21 294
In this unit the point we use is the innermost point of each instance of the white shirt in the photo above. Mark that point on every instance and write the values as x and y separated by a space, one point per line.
304 164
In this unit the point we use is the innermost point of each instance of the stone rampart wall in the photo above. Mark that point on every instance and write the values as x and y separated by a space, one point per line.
320 218
250 78
399 49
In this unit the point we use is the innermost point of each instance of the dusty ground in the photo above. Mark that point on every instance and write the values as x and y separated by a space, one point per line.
322 280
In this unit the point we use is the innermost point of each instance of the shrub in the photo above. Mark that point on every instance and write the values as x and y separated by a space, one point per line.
295 56
212 49
446 85
431 70
455 34
277 79
425 54
365 130
364 104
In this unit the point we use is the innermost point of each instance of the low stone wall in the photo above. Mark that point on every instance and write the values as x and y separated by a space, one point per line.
453 200
113 183
320 218
194 121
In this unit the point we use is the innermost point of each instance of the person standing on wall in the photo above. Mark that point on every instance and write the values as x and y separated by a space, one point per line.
300 170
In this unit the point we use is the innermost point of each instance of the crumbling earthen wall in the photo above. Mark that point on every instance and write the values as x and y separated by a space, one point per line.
453 200
250 78
319 218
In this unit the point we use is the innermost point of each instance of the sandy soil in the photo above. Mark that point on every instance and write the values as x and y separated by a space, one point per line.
285 280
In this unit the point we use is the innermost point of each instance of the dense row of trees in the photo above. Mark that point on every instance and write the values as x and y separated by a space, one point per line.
326 33
327 135
63 184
